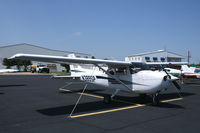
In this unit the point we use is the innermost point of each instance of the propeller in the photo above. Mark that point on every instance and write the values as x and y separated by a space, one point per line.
167 73
176 85
174 81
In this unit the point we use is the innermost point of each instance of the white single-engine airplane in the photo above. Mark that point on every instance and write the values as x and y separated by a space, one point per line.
190 72
8 70
118 75
185 72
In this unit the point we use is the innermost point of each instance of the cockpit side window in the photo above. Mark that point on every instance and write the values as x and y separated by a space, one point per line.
112 72
134 69
119 71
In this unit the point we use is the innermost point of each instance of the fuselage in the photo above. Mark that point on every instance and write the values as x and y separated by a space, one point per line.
192 75
142 82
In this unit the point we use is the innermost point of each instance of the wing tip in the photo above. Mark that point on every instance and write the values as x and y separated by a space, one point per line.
16 56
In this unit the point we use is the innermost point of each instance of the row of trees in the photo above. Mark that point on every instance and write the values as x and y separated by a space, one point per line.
66 66
195 65
16 62
25 63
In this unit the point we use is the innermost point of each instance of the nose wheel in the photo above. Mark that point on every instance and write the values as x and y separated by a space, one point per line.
155 99
107 99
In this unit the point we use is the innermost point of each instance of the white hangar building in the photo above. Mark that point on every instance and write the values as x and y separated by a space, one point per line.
155 56
10 50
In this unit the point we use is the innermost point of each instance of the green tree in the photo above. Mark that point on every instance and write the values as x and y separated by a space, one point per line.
16 62
26 63
19 63
66 66
8 63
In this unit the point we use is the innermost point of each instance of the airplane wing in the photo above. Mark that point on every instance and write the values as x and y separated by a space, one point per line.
68 60
166 63
8 70
149 65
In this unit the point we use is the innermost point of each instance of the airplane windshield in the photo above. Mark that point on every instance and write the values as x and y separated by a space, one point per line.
197 70
134 70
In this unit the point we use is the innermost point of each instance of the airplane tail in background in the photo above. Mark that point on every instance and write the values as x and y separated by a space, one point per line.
75 69
80 69
186 69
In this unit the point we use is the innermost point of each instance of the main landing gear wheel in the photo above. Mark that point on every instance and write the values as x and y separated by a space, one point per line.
155 99
107 99
143 96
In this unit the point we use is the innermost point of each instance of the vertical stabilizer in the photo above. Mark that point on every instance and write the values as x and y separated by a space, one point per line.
80 69
186 69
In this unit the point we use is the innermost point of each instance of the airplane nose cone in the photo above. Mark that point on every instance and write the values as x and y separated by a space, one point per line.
173 78
170 78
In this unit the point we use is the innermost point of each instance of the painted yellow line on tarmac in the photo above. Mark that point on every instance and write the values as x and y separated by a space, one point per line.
86 94
120 109
113 110
171 100
91 95
108 111
66 90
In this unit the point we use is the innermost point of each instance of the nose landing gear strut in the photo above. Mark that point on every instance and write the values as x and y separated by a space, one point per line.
108 99
155 99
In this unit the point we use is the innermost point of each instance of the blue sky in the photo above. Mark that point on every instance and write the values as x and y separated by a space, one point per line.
104 28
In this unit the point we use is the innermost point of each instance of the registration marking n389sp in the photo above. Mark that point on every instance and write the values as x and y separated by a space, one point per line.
88 78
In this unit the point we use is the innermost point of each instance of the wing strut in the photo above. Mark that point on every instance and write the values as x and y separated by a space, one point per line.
78 101
117 79
79 97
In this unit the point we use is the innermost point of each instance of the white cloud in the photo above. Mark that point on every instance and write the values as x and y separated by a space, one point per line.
78 33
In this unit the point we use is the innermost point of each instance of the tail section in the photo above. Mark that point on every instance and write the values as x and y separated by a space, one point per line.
186 69
81 69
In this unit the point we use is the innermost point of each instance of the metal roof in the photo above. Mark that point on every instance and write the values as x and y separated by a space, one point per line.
169 54
43 48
